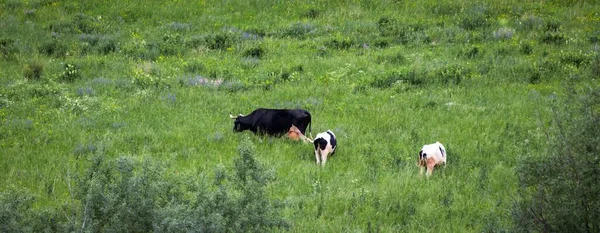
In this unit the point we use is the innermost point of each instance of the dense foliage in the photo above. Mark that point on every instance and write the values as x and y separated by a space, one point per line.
560 192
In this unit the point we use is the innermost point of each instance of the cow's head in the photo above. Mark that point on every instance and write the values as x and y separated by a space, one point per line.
238 124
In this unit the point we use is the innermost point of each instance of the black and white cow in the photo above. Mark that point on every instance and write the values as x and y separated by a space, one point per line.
325 143
430 156
273 122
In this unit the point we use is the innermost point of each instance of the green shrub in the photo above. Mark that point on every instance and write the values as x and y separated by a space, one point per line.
559 192
171 44
220 41
396 59
256 52
473 52
503 33
71 72
526 49
553 38
33 70
577 59
595 65
339 43
299 30
409 77
233 86
531 22
15 208
194 67
312 13
474 19
53 48
453 74
386 26
8 49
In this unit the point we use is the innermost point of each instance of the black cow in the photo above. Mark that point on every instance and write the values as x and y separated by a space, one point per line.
273 122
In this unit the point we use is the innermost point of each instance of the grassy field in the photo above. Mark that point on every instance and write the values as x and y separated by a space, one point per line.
136 85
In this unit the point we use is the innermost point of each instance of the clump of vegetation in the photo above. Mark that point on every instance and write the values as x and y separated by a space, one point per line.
53 48
396 59
194 67
220 41
339 43
299 30
453 74
70 73
256 52
171 44
97 43
504 33
526 49
559 192
33 70
8 49
312 13
475 18
409 77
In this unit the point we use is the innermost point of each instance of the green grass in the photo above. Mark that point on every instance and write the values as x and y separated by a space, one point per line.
116 77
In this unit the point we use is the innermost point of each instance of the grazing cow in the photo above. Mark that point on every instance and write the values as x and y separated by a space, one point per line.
325 143
430 156
295 134
273 122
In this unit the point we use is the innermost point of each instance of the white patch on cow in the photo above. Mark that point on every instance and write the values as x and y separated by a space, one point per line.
435 154
321 154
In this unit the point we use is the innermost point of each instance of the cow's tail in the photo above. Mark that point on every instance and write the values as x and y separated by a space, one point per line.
309 124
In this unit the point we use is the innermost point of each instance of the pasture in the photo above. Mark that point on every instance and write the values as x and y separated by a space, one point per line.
114 115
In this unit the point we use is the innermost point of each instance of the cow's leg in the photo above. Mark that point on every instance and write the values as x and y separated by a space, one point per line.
317 156
324 157
430 166
421 169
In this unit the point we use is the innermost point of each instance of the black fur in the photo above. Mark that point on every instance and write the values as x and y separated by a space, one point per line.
333 142
273 122
320 143
422 156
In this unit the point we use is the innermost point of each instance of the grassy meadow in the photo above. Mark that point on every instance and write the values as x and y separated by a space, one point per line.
114 114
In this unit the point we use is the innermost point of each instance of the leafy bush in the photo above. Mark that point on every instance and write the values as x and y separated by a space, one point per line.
453 74
171 44
595 66
299 30
312 13
474 19
256 52
53 48
8 49
559 192
80 23
504 33
15 207
220 41
70 73
387 81
339 43
526 49
396 59
194 67
531 22
553 38
33 70
127 195
473 52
